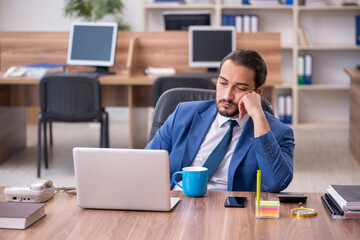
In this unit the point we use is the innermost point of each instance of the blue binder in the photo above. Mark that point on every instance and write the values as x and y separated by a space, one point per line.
308 69
288 109
281 107
357 32
285 108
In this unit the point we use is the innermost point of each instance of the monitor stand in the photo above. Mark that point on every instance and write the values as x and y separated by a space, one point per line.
212 73
100 71
103 71
212 70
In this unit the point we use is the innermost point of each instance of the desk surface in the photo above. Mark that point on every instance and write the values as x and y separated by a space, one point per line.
192 218
117 79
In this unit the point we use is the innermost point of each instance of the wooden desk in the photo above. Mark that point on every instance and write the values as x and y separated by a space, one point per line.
192 218
16 94
354 128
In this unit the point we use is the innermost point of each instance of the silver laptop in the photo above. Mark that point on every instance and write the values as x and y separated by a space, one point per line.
128 179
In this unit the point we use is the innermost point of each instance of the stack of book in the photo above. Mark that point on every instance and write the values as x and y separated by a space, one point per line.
17 215
343 201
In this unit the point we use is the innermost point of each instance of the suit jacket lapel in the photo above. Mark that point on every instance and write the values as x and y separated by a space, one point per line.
198 130
240 151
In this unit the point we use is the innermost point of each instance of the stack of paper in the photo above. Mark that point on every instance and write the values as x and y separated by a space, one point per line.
39 69
157 71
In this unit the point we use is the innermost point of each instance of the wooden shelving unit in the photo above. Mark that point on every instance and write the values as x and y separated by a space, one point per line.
332 31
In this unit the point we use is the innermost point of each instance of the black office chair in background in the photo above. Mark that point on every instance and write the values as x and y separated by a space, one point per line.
171 98
162 84
69 98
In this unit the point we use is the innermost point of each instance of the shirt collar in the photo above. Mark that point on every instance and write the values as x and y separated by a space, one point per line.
222 119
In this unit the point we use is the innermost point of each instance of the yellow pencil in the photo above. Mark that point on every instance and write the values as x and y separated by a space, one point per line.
258 184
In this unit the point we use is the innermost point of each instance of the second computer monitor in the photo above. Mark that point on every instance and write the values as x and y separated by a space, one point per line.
182 20
209 45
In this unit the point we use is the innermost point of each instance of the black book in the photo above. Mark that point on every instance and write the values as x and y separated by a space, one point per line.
335 211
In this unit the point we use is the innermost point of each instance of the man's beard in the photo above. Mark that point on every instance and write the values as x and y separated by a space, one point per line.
225 113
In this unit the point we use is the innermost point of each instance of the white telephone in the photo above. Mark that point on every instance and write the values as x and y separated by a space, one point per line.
14 71
39 191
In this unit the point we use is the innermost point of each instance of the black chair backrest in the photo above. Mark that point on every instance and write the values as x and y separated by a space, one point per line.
165 83
70 97
171 98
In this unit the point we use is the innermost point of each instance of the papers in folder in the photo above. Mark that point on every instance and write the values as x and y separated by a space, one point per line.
156 71
39 69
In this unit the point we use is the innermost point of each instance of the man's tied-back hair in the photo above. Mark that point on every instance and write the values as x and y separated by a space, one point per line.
250 59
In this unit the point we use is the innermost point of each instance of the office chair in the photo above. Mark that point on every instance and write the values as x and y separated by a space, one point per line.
69 98
162 84
171 98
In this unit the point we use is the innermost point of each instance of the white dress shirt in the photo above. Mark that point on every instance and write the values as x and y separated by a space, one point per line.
216 132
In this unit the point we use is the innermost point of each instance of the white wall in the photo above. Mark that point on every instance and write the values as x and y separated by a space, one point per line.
47 15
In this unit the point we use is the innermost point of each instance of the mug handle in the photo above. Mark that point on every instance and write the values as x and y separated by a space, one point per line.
173 178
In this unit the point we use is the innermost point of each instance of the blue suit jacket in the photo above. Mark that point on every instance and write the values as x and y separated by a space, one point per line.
272 153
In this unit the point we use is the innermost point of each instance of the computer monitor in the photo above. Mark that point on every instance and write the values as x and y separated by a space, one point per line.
92 44
182 20
209 45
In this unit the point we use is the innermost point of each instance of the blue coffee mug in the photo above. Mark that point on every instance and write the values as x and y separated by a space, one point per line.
194 180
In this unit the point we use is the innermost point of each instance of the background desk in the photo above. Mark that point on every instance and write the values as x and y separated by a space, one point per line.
192 218
117 90
17 94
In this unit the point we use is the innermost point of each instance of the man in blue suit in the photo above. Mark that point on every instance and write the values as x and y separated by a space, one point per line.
259 140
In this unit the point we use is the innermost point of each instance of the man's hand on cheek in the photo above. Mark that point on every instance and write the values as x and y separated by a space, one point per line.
242 108
250 103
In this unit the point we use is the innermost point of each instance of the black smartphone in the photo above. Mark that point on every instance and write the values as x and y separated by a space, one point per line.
235 202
